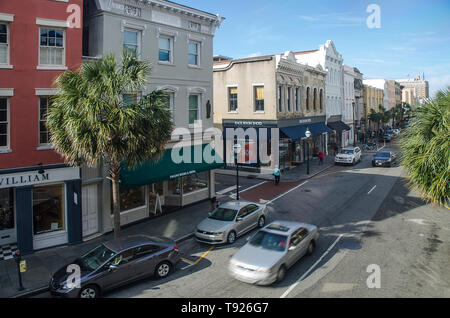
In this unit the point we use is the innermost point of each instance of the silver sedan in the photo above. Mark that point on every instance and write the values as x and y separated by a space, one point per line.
267 256
229 221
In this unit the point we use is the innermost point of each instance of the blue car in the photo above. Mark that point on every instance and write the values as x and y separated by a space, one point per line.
384 159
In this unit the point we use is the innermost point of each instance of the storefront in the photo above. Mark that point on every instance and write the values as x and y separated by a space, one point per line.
339 137
40 208
292 140
164 185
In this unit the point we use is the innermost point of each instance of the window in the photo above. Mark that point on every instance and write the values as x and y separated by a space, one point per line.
307 98
315 99
289 99
131 42
195 182
48 209
280 99
146 250
4 43
44 134
259 98
51 47
233 99
170 101
130 99
321 100
298 236
131 199
123 258
6 209
193 53
4 123
165 49
193 108
297 99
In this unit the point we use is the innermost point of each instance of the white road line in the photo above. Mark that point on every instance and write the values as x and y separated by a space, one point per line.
287 292
226 190
372 190
287 192
254 186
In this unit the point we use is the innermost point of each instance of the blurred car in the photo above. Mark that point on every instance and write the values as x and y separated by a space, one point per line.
384 159
268 255
116 263
396 131
349 155
229 221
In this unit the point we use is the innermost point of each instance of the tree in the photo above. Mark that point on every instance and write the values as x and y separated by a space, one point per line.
90 122
425 146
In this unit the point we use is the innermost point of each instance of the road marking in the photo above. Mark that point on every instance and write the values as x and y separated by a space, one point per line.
287 192
372 190
191 263
254 186
227 190
287 292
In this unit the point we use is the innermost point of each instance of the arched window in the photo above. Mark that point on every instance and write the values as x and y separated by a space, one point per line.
315 99
307 98
321 99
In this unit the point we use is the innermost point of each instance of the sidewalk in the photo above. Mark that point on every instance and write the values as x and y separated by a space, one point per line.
178 225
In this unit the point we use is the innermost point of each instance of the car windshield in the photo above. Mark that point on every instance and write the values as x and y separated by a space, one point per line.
383 154
347 151
223 214
269 241
95 258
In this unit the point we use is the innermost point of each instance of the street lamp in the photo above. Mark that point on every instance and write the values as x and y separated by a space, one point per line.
308 135
237 148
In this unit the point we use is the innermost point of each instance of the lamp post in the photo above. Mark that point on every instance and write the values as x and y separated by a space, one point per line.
237 150
308 135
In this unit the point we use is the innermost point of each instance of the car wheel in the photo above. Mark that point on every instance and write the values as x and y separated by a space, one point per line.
231 238
311 247
163 270
261 221
281 274
90 291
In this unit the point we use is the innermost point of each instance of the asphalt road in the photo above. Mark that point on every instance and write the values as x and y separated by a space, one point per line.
368 219
370 224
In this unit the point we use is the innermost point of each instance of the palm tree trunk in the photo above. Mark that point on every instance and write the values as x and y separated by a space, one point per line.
115 173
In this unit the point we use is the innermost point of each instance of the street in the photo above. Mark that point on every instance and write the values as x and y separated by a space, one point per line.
367 216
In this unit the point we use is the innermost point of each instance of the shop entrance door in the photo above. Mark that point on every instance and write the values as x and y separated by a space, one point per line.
7 217
89 209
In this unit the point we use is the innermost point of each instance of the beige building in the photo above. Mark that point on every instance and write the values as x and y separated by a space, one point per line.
415 90
373 98
272 92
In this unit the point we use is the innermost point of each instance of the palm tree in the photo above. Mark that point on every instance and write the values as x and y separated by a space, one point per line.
426 149
90 122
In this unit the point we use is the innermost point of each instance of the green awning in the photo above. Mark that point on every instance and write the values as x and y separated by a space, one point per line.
202 158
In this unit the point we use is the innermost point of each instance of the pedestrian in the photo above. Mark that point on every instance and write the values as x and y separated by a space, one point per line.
321 157
214 204
277 175
336 149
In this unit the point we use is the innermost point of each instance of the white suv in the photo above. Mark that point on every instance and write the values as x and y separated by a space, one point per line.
349 155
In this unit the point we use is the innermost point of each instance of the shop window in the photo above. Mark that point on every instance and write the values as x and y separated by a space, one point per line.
131 199
48 209
174 186
6 209
195 182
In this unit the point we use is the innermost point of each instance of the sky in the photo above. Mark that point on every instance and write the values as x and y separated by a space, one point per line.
413 35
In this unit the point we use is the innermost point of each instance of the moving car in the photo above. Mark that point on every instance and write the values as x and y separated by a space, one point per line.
267 256
229 221
349 155
116 263
384 159
385 137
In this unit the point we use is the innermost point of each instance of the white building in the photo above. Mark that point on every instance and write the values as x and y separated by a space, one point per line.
349 104
330 60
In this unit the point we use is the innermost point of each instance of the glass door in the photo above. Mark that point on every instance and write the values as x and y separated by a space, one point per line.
7 218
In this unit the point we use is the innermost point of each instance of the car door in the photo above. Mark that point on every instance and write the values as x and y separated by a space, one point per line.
242 221
298 245
147 257
122 272
252 215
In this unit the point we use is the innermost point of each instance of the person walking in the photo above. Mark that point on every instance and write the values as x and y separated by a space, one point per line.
321 157
277 175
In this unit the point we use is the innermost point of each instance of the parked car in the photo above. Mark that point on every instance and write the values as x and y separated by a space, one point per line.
229 221
349 155
396 131
267 256
384 159
385 137
116 263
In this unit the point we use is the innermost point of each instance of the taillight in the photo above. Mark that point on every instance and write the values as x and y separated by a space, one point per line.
175 248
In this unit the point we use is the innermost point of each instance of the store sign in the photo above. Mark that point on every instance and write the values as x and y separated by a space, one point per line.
305 121
33 177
